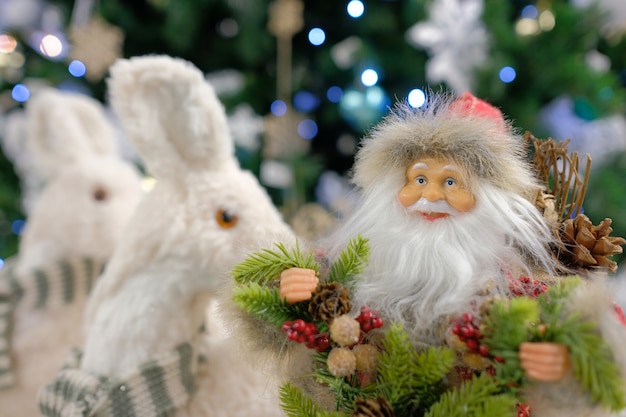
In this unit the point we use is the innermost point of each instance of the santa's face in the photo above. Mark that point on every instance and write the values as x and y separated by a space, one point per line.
436 188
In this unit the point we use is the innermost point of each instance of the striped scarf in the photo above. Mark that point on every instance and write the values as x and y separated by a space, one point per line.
155 389
60 283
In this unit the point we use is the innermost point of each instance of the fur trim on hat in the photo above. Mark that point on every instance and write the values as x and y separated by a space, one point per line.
486 146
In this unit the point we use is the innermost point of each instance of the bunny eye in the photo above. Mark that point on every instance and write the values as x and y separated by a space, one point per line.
100 194
225 219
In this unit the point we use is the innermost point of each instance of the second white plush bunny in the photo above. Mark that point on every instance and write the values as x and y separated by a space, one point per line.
71 230
147 351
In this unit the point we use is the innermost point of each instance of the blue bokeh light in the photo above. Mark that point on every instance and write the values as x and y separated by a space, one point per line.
1 263
530 12
334 94
305 101
20 93
355 8
507 74
307 129
278 108
17 226
317 36
77 68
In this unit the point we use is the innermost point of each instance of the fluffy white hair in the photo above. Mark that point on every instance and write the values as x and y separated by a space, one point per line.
420 272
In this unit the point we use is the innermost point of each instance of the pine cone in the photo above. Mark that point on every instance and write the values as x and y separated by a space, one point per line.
588 246
330 300
372 407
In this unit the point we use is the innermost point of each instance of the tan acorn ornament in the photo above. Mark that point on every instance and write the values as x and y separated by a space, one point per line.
341 362
366 358
345 330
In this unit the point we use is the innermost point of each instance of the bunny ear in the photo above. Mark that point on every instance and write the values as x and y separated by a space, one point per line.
65 127
171 114
14 140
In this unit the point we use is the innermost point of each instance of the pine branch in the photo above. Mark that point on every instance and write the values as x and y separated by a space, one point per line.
266 265
409 379
478 397
507 325
265 303
296 404
351 261
345 392
593 363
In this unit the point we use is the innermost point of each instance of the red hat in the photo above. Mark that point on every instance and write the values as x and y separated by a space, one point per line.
467 104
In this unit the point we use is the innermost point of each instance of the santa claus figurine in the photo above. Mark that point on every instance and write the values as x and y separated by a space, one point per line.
447 205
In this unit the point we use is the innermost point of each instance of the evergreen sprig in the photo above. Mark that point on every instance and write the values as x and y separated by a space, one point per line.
296 404
478 397
592 360
351 261
345 392
593 363
266 304
266 265
508 324
409 379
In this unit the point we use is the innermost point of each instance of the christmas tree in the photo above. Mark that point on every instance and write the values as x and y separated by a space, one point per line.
303 80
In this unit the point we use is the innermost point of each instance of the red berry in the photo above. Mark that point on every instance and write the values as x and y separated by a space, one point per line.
456 329
499 359
467 331
483 350
322 342
299 325
377 322
467 317
472 344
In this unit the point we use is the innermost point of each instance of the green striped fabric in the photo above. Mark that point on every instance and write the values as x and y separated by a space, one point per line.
154 389
60 283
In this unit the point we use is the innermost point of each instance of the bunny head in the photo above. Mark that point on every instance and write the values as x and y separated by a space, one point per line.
89 191
204 209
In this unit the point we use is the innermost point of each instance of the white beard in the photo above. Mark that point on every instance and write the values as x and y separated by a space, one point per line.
420 272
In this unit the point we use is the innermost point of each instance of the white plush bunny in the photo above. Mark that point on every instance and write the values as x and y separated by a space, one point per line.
71 230
146 316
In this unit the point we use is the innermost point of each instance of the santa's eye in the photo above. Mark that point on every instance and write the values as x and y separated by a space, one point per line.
225 219
420 180
450 182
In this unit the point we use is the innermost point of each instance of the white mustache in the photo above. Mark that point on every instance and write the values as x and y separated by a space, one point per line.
425 206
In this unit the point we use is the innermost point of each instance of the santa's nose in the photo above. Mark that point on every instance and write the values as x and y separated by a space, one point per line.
433 193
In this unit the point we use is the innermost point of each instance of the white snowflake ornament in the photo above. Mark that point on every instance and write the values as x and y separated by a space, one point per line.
456 39
97 45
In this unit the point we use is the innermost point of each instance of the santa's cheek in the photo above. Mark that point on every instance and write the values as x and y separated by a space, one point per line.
462 201
408 195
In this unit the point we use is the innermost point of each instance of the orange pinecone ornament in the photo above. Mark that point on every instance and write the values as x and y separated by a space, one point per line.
587 246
